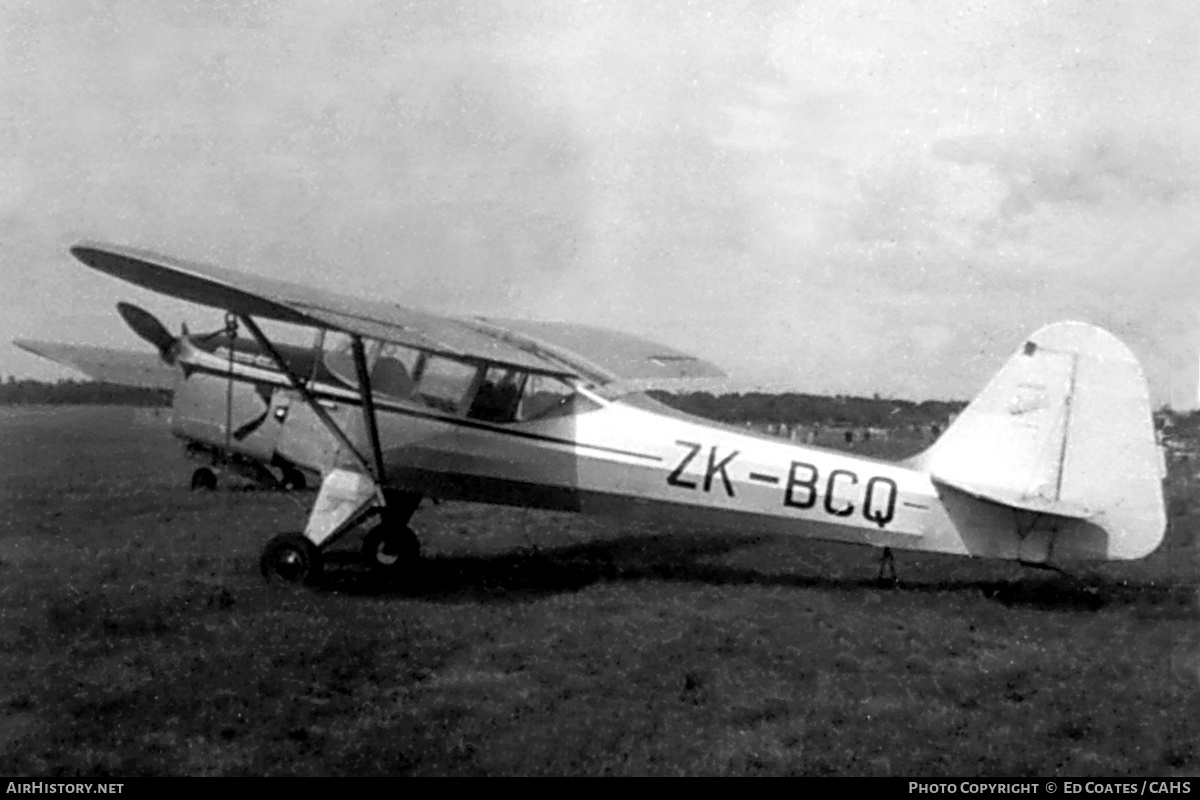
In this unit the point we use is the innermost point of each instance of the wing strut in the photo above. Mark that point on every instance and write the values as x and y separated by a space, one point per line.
368 406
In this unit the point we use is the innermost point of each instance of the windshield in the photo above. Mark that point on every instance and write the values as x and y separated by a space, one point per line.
444 382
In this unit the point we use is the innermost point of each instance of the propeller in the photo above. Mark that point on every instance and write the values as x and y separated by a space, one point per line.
147 326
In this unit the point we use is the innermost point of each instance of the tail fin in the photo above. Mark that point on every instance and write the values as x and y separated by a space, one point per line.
1065 428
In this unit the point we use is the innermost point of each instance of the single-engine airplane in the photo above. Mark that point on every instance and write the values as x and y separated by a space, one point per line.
1056 459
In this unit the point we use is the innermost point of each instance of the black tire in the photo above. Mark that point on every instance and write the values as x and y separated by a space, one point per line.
293 481
290 558
391 550
204 478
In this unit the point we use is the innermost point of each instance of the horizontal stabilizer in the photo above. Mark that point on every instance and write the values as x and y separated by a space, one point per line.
1021 500
122 367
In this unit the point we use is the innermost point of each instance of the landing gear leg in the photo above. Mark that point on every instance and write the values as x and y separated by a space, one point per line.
391 552
391 549
887 569
348 496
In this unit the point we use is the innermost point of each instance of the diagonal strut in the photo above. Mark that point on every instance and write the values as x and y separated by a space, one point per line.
308 397
368 406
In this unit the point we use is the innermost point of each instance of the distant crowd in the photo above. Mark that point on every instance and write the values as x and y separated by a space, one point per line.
792 409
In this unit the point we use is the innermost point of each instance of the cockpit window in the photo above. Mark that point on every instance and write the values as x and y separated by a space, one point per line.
391 366
444 383
499 395
504 394
339 357
394 371
507 394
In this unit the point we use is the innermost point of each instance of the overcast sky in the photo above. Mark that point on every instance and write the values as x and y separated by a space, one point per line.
827 196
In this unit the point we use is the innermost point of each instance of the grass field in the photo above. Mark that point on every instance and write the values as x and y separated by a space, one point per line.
137 637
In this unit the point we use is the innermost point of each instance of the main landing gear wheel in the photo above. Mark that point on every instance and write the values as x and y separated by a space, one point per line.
204 478
389 550
290 558
293 481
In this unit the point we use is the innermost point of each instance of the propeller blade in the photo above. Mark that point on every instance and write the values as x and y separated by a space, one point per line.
147 326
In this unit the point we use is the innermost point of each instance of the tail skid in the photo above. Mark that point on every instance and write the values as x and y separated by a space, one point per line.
1064 429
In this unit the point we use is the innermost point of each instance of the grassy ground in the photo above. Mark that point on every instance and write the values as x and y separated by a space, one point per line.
136 637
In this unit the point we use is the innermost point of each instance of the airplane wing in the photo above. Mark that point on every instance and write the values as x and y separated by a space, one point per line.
122 367
562 348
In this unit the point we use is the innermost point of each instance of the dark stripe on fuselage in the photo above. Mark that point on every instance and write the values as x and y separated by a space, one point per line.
488 489
385 404
656 510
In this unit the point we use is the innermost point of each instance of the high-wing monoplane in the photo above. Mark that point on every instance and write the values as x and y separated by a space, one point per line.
1055 460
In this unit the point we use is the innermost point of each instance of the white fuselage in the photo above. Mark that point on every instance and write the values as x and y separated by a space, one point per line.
630 458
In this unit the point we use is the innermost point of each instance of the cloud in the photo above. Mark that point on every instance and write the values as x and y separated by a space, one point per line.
813 190
1095 168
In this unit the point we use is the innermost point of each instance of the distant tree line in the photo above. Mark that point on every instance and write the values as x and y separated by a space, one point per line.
71 392
789 409
756 407
798 409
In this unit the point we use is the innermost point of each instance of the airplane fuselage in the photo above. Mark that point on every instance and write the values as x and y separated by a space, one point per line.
629 457
634 459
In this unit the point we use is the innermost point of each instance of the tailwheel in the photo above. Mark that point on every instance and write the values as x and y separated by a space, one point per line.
204 478
291 558
887 569
391 550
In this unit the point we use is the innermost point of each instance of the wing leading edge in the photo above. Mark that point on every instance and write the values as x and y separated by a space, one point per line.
271 298
600 356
